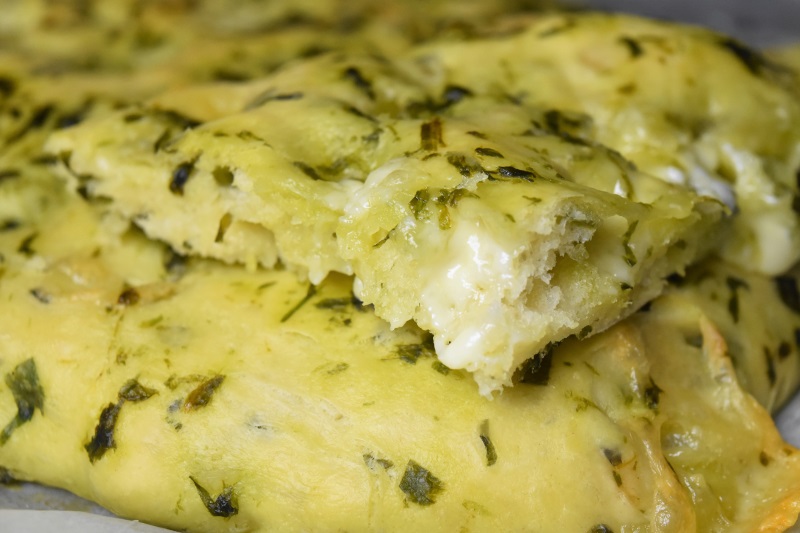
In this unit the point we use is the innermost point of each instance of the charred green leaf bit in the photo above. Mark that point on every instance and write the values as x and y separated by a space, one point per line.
652 395
411 353
772 374
536 370
430 134
225 504
491 453
512 172
180 176
419 485
634 47
23 382
571 127
787 289
734 284
488 152
363 84
466 166
756 62
613 456
308 170
201 396
103 439
25 247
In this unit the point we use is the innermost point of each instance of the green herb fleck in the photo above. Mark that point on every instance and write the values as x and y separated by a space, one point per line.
24 384
103 439
224 505
25 248
613 456
466 166
512 172
308 170
491 453
734 284
601 528
355 76
652 395
440 367
571 127
419 485
772 374
634 47
754 61
629 256
40 295
338 369
787 289
536 370
180 176
430 134
202 394
133 391
488 152
451 197
312 290
418 203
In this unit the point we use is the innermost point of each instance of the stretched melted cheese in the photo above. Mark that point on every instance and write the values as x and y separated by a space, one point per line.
209 398
688 105
497 237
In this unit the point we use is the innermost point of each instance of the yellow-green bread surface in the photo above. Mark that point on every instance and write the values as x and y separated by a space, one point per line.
534 200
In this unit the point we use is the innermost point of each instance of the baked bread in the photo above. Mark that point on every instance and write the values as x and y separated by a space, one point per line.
455 212
204 397
688 105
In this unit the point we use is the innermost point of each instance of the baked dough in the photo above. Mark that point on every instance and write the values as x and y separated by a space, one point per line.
456 212
204 397
685 104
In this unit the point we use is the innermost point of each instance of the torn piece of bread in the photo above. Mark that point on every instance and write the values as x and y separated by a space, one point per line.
688 105
453 210
172 397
